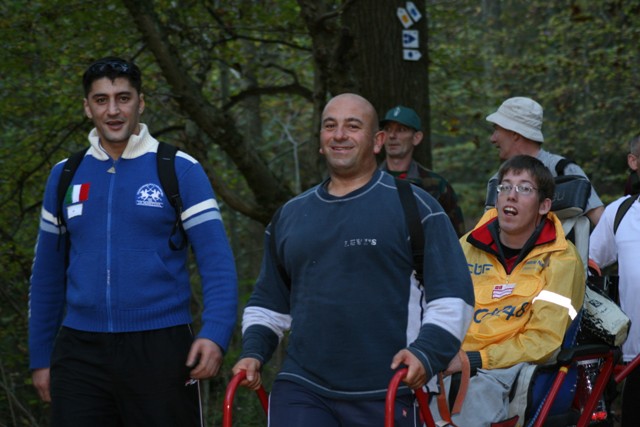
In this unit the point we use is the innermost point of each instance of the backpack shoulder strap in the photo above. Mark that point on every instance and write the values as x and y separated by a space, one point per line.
165 158
68 171
622 211
412 218
492 193
561 165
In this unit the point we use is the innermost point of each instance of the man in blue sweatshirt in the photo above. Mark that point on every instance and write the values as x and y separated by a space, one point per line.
339 275
110 340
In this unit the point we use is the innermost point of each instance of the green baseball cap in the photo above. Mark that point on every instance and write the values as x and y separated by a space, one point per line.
403 115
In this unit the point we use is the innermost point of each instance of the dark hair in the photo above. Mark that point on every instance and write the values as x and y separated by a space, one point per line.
112 68
539 172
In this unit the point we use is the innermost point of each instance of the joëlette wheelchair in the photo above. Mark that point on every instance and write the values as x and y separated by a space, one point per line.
558 407
555 397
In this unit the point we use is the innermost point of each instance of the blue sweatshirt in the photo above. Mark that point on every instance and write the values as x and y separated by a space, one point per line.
122 275
353 302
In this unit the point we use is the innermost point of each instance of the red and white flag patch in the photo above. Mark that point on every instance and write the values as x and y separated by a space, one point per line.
500 291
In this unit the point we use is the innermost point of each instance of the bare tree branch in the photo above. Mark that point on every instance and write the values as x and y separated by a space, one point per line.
270 90
269 191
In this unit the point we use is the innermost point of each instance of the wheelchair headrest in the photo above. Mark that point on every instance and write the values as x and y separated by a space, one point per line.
571 196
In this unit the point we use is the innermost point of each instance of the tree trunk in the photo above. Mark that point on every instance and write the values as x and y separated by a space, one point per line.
384 76
358 47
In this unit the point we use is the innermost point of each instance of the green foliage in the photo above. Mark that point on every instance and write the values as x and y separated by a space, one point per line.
576 58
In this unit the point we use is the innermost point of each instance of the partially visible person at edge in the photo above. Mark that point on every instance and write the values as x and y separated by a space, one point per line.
110 340
623 246
403 132
517 130
529 284
341 274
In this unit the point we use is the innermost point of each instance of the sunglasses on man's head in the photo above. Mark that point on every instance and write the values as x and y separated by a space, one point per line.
120 66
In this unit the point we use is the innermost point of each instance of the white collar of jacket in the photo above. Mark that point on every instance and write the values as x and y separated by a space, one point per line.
138 144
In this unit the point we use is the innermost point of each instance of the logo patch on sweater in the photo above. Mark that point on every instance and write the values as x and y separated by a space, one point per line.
500 291
360 242
150 195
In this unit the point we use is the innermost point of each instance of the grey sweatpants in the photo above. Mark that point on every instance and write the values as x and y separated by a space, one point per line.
487 398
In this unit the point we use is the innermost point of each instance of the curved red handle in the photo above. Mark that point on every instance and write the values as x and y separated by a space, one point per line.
421 397
230 394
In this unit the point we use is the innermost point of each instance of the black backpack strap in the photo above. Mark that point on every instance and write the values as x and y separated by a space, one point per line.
622 211
492 193
561 165
68 171
412 218
165 158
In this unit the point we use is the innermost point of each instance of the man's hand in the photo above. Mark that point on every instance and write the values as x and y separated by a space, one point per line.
252 366
416 375
205 357
41 381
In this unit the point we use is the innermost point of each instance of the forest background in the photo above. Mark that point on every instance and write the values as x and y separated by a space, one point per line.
240 84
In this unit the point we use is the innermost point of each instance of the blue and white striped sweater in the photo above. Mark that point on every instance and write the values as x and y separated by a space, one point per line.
122 275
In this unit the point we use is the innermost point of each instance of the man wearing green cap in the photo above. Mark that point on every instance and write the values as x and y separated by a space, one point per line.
403 132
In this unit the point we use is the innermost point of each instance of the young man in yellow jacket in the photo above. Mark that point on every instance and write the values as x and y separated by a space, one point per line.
529 285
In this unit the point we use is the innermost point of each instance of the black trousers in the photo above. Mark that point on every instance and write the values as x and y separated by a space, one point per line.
631 399
123 379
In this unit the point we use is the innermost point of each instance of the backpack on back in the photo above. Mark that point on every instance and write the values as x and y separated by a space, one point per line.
165 159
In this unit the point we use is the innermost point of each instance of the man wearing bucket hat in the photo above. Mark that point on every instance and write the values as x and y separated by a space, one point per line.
517 130
402 133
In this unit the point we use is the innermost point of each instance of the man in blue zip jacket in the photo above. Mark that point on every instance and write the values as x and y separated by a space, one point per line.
110 339
340 278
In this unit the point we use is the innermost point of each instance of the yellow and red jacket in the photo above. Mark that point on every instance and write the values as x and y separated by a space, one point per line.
521 316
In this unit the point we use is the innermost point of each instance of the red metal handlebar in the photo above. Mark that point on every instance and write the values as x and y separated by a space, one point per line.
625 370
230 394
421 397
605 373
